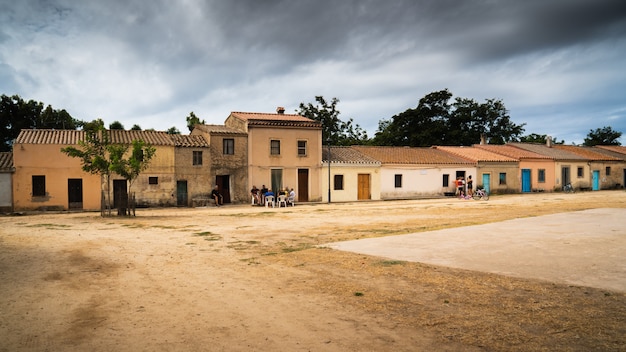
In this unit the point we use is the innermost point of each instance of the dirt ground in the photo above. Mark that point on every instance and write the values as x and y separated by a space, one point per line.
243 278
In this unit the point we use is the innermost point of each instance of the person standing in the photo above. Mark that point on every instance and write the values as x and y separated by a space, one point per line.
470 186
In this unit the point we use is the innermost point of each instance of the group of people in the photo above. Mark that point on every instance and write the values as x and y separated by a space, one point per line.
461 186
259 195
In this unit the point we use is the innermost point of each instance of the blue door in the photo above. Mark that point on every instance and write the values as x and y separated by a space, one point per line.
486 183
526 180
595 181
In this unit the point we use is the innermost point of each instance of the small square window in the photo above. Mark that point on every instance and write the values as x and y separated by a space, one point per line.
446 180
275 147
39 186
153 180
228 146
503 178
398 181
301 148
608 171
580 172
338 182
197 158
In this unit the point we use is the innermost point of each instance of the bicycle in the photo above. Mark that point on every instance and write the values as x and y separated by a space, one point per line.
568 188
480 194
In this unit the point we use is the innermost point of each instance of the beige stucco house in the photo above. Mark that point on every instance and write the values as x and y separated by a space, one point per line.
407 172
606 171
47 179
494 172
569 167
353 176
227 161
284 150
536 172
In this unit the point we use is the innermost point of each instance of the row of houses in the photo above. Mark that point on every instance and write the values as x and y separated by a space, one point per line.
285 151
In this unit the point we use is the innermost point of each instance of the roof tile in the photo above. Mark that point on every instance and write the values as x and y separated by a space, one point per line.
6 161
477 154
410 155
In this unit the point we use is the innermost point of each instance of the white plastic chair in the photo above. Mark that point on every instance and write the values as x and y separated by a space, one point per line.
291 200
269 200
282 200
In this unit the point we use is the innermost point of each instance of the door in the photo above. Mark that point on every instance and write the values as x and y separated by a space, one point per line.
526 187
181 194
364 191
487 183
120 194
303 185
565 175
595 180
75 193
223 186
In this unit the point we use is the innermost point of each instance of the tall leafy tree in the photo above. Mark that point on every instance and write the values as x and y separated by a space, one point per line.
116 125
334 130
193 120
132 165
603 136
436 121
17 114
539 138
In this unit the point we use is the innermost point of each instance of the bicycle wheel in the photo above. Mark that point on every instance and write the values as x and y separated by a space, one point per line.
485 196
476 196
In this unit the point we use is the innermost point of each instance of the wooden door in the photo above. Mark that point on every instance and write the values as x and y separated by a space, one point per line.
364 190
303 185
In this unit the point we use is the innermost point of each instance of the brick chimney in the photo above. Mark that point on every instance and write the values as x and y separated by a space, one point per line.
280 110
549 141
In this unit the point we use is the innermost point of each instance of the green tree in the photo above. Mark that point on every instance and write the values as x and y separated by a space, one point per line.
603 136
173 130
539 138
93 154
334 130
135 128
116 125
435 121
193 120
17 114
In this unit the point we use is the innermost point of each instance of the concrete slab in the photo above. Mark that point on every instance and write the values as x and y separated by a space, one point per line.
586 248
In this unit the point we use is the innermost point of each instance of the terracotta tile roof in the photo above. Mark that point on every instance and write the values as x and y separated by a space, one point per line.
6 162
269 119
476 154
554 153
347 155
71 137
150 137
189 141
512 152
64 137
220 129
586 152
611 152
408 155
614 148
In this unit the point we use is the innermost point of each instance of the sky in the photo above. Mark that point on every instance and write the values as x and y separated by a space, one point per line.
559 66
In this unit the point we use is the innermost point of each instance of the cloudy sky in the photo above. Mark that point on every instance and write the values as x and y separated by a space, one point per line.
559 66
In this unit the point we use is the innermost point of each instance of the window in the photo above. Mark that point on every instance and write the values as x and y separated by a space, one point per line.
153 180
338 182
275 147
503 178
39 186
138 154
608 171
398 181
541 175
301 148
446 180
580 172
228 146
197 158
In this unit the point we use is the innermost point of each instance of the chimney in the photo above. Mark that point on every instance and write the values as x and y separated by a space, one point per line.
483 140
549 141
280 110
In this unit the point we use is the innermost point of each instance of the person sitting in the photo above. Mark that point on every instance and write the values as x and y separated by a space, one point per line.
267 196
255 196
263 191
219 200
292 198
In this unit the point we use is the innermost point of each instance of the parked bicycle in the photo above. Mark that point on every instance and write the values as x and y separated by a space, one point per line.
568 188
480 194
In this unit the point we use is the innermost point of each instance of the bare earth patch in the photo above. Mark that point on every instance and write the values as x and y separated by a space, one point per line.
241 278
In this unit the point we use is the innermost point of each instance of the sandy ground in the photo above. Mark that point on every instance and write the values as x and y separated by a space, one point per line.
242 278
